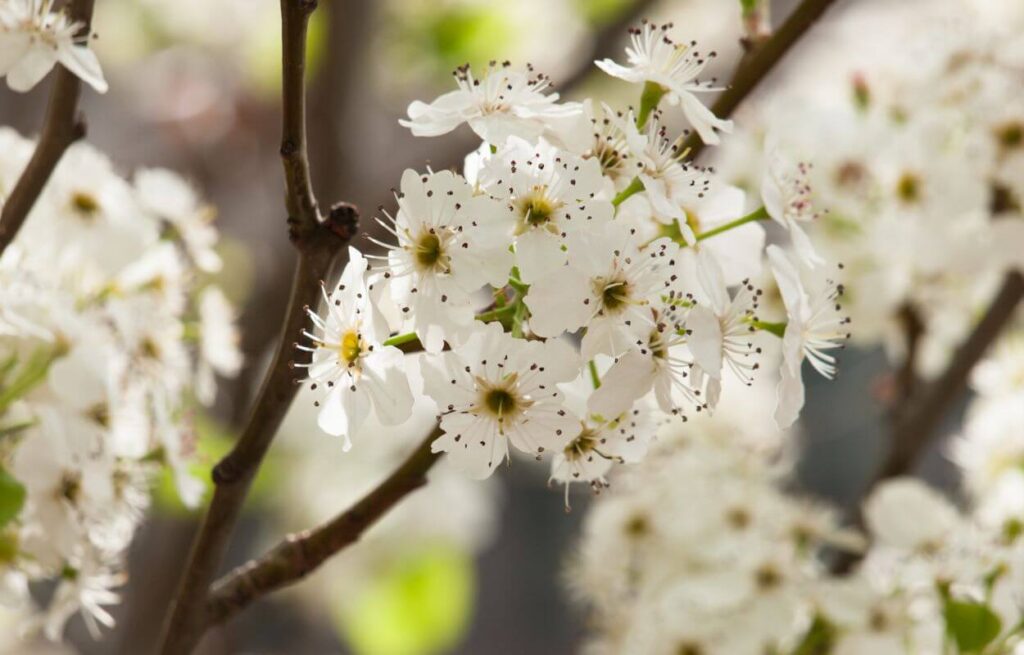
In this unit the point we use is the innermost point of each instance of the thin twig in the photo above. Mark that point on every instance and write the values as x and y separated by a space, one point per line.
61 127
300 554
317 241
759 61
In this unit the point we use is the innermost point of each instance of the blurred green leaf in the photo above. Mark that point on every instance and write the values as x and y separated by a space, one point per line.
474 34
418 607
262 51
972 625
213 441
12 497
602 12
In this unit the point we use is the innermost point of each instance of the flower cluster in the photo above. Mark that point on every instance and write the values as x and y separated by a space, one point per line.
580 282
106 331
697 549
921 173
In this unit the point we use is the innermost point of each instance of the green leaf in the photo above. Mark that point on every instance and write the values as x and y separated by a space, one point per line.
419 606
12 497
972 625
213 442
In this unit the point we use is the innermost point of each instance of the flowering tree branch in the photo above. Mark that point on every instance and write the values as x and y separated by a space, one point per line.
300 554
317 240
61 127
759 61
916 425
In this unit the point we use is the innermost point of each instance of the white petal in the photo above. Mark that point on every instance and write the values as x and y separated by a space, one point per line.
82 61
539 253
790 397
705 340
627 380
13 46
560 302
32 67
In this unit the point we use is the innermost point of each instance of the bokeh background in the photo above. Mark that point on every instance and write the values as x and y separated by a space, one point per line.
194 87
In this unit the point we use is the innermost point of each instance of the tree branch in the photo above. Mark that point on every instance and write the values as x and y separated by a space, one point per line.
916 425
317 241
759 61
61 128
300 554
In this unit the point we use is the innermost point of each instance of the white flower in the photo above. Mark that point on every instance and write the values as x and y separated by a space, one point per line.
670 185
494 389
218 342
718 328
84 587
658 360
450 243
549 196
33 38
168 197
87 217
69 483
600 441
504 103
814 327
786 195
608 288
349 359
675 67
905 513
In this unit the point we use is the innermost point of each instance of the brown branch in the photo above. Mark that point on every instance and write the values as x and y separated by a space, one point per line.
917 424
317 241
61 127
300 554
759 61
904 380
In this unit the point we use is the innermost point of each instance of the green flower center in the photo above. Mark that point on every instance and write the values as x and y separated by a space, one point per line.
500 402
908 188
428 250
84 203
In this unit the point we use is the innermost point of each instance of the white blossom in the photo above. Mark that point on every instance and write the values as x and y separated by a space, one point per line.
34 37
357 372
655 58
503 103
493 390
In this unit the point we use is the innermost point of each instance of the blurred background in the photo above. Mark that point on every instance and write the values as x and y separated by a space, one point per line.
194 87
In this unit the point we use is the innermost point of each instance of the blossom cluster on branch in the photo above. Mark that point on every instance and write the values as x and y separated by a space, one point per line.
110 330
561 286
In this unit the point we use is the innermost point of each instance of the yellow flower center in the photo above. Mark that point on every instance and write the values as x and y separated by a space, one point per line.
350 347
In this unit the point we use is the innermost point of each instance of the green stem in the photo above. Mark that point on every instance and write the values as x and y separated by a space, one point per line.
649 99
497 314
760 214
400 339
778 329
595 379
636 186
